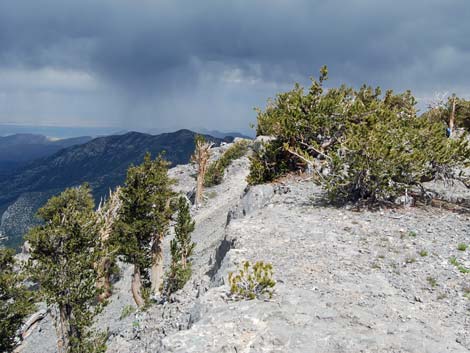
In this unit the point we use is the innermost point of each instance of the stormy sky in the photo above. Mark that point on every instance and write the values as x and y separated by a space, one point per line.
153 64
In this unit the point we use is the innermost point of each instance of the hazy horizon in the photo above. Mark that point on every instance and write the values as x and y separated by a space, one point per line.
79 131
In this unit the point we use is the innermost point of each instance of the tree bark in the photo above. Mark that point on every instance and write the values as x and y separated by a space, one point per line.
136 287
31 323
104 281
156 272
201 157
183 261
452 117
199 186
62 329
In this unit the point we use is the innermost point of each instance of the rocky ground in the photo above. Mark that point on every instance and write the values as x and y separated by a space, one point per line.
347 281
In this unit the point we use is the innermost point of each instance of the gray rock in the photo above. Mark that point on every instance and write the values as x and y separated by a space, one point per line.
241 139
405 200
260 141
255 197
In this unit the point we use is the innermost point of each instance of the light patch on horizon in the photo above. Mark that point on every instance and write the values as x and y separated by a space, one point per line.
46 79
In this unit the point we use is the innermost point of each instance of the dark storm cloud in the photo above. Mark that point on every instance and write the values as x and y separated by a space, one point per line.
196 63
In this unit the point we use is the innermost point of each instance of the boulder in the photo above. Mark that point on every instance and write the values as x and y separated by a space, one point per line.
260 141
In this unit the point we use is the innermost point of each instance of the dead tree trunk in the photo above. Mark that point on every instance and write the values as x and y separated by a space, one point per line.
104 281
156 272
107 214
62 325
201 158
200 185
136 287
452 116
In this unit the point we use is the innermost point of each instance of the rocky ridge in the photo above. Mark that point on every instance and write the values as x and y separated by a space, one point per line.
347 281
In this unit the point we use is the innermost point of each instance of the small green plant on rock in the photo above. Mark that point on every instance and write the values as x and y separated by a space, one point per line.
127 311
462 269
462 247
432 281
252 281
423 253
453 261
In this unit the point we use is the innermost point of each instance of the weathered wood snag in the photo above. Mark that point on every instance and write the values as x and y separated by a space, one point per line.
107 214
201 157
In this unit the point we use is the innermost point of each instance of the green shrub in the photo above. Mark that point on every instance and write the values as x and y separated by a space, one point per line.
271 162
215 172
252 281
387 154
423 253
453 260
127 311
432 281
360 144
177 277
462 247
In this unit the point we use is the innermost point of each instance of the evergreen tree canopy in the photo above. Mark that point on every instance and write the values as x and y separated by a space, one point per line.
361 144
16 301
144 215
64 251
182 248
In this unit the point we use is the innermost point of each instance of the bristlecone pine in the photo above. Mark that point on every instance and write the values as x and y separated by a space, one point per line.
15 300
142 224
182 248
64 252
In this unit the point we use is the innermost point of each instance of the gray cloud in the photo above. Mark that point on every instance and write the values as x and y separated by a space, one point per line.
168 64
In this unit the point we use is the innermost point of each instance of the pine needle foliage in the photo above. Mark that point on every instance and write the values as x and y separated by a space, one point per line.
216 170
252 281
361 145
144 215
16 301
182 248
64 251
387 153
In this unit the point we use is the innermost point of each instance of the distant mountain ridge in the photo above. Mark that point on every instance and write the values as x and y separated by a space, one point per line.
220 134
102 162
19 149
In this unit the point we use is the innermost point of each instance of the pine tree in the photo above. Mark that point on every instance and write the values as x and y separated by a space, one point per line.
15 301
182 248
359 144
143 222
64 251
